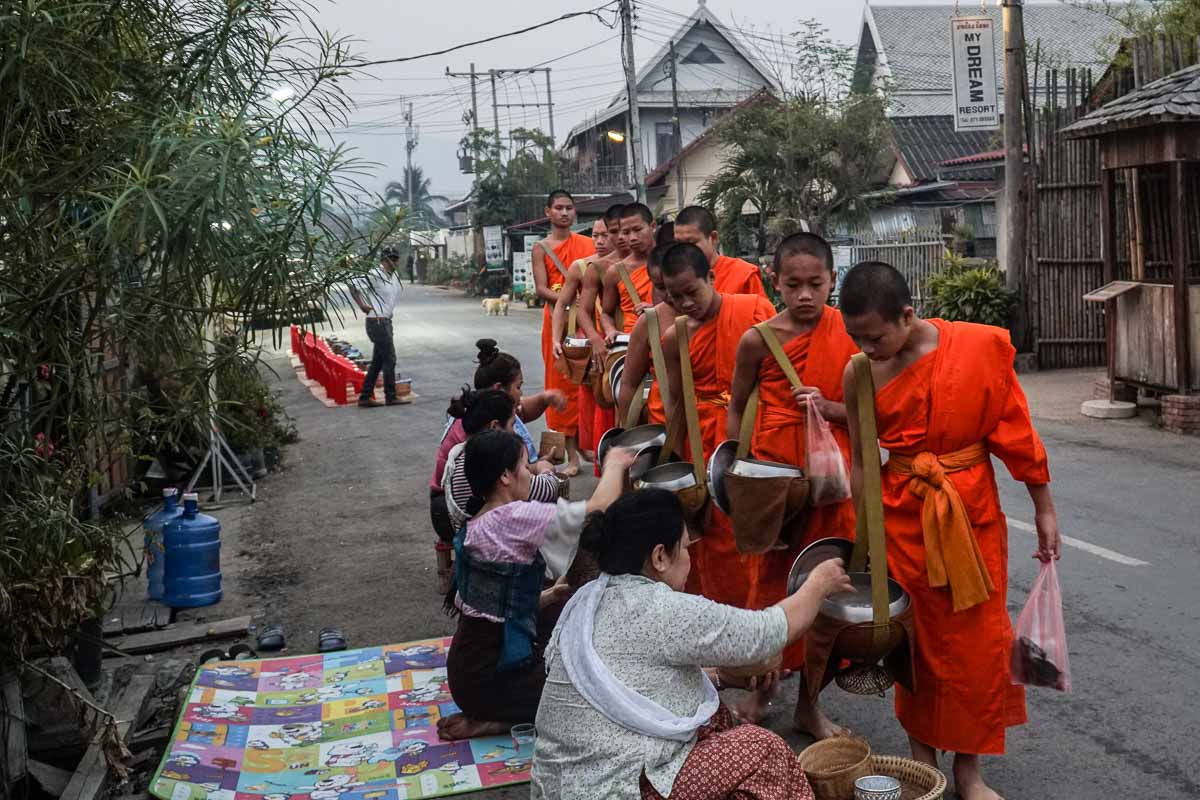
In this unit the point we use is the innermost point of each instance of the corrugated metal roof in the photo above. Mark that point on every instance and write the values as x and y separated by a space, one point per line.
925 143
1175 98
916 40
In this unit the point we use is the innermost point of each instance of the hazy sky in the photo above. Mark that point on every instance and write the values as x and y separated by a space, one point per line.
581 82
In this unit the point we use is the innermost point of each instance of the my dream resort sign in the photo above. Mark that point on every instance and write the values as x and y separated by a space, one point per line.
974 62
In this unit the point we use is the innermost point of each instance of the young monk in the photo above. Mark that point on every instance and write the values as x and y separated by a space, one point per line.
590 296
946 399
815 342
697 225
715 324
637 233
585 319
548 278
638 358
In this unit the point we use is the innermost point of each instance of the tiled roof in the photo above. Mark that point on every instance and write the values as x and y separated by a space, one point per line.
925 143
916 40
1175 98
980 158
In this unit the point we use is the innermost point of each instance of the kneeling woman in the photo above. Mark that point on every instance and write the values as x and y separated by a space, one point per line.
628 710
512 556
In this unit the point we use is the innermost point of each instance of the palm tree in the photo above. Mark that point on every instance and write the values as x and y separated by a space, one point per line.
422 213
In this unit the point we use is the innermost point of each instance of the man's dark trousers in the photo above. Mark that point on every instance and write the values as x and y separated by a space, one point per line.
383 358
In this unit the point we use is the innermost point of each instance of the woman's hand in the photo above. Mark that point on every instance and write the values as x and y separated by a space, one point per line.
559 592
555 397
540 466
1049 540
619 458
831 578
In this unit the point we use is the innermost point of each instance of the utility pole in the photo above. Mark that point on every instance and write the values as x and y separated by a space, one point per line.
676 135
635 122
549 107
477 238
495 110
410 144
1015 192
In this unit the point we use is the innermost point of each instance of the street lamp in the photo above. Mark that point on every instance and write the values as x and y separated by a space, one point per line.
616 137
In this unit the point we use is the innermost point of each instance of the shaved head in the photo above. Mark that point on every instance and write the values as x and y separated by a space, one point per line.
875 286
804 244
697 217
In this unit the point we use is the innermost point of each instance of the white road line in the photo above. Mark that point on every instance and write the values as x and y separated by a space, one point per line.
1087 547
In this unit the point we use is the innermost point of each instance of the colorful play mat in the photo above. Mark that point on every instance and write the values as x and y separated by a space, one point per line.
354 725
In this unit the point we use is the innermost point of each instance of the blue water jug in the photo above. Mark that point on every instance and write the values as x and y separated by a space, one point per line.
155 559
193 563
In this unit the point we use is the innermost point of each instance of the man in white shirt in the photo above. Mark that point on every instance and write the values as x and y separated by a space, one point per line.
377 298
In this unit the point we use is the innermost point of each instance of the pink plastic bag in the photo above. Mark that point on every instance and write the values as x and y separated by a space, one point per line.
828 478
1039 655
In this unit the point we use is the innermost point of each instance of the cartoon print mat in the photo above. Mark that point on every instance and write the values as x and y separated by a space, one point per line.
354 725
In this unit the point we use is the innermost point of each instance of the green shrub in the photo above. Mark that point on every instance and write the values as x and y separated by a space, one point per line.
967 293
454 268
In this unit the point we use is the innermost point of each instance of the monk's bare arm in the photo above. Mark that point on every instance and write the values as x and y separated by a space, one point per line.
856 444
541 280
750 353
609 304
1046 519
637 364
558 320
674 376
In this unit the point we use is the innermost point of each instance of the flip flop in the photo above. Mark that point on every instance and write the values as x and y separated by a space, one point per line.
271 639
212 655
330 640
241 652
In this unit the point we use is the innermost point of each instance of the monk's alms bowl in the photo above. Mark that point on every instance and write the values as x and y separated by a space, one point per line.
645 440
718 464
621 340
852 606
674 477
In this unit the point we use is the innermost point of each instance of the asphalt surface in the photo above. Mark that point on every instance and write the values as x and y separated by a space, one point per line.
342 537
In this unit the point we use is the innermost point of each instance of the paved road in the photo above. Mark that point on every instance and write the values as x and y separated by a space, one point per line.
342 537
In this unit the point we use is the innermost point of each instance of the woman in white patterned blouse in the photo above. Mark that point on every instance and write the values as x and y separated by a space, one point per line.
628 710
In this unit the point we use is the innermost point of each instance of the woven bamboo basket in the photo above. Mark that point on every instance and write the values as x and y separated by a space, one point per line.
918 781
833 765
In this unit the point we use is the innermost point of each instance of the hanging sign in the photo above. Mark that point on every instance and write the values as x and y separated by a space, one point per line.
493 245
973 54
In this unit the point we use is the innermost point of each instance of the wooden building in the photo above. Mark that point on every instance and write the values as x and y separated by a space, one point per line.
1149 144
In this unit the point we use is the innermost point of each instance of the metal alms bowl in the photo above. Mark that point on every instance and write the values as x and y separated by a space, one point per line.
621 340
852 606
754 468
673 477
607 442
645 440
718 464
576 341
615 371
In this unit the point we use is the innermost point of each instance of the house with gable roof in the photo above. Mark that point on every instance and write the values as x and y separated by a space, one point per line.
940 173
715 72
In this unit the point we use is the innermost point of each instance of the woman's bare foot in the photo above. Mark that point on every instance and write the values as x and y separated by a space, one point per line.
968 779
460 726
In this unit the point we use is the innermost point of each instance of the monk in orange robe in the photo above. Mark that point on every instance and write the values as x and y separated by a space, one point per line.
814 339
590 294
548 278
587 326
697 225
620 308
716 323
946 399
638 358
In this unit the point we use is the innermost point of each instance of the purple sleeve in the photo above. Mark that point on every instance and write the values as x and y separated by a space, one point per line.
454 435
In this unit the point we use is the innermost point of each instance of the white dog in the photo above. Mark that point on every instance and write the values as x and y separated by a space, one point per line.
495 306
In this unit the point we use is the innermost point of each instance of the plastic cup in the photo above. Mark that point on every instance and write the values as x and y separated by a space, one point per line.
524 736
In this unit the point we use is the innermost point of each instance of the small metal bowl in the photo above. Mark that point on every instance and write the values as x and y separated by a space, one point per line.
673 477
753 468
621 340
877 787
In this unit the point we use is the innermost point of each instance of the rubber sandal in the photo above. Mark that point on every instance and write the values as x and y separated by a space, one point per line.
242 652
330 640
212 655
271 639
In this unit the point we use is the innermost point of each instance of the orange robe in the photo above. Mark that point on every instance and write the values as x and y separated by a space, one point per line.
719 568
820 357
963 393
645 289
735 276
566 421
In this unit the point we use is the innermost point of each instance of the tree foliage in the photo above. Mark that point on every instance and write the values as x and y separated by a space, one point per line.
808 157
531 170
163 166
422 214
